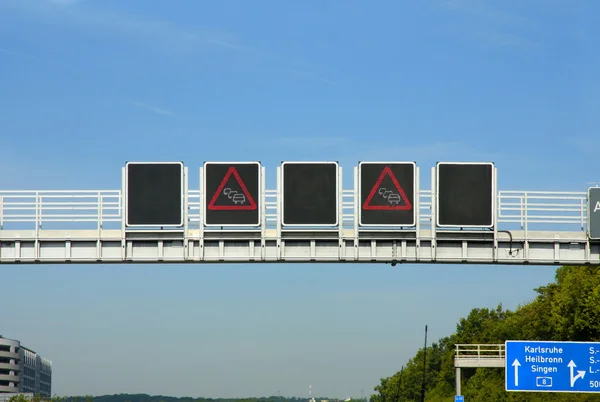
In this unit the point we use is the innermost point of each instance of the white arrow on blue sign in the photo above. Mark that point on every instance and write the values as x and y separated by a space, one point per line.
544 366
459 398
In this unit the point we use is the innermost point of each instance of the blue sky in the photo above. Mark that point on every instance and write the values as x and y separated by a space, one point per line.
87 85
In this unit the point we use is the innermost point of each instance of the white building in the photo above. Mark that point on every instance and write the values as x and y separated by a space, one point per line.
22 370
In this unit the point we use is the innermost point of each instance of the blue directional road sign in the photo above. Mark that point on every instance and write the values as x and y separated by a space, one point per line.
542 366
459 398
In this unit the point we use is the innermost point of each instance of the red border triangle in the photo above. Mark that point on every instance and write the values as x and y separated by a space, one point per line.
213 207
368 207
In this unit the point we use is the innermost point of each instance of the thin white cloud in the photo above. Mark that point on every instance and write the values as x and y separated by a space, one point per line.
155 31
312 76
151 32
484 22
152 108
484 9
300 141
349 149
64 2
18 54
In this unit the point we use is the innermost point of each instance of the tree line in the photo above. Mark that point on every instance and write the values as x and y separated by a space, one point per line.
160 398
568 309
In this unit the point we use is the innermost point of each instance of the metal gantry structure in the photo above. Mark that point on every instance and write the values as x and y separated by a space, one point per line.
477 355
156 217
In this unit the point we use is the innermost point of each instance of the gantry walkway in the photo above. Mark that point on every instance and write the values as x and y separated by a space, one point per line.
477 355
480 355
87 226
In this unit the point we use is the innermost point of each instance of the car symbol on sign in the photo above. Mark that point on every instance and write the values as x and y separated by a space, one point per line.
384 193
239 199
394 198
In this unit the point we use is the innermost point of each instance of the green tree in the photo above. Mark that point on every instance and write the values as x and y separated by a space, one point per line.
566 310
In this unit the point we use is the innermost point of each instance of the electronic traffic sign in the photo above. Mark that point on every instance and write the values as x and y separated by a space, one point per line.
232 193
310 193
593 212
465 194
544 366
387 193
154 194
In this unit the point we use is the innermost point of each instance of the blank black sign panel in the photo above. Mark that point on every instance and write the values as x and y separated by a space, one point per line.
154 194
232 194
387 193
465 194
310 194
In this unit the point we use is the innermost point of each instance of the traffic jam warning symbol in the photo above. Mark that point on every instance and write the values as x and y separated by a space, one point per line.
232 194
390 199
387 193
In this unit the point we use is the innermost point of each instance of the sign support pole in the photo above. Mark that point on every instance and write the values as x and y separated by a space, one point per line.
433 212
201 218
417 207
495 211
357 206
526 226
123 214
341 251
185 214
279 217
263 212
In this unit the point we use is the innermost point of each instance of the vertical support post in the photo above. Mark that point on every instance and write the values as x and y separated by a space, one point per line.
355 209
341 251
433 212
123 198
186 213
201 217
496 210
38 225
582 207
526 228
68 250
424 367
38 222
458 381
100 224
263 211
100 208
279 208
160 255
417 208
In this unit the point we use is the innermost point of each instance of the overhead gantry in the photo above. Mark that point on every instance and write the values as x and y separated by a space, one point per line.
231 216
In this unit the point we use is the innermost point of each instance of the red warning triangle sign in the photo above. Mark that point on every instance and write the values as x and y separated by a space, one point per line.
234 200
393 199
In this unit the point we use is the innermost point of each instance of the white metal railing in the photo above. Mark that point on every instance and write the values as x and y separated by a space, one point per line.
516 210
58 206
480 350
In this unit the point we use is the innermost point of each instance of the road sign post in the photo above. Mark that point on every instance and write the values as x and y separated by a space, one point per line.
465 194
310 194
387 193
232 191
544 366
154 194
593 212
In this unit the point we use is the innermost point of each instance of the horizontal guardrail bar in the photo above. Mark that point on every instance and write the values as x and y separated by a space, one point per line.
520 208
470 351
